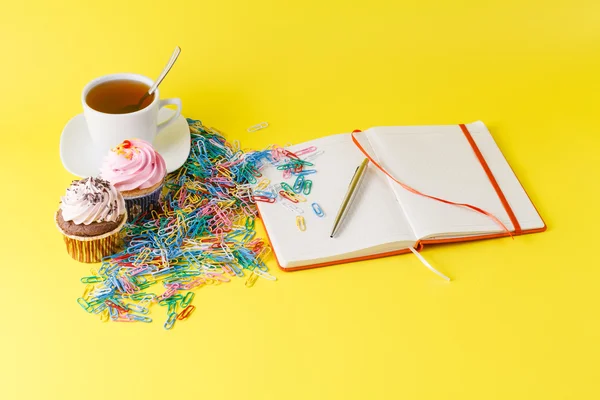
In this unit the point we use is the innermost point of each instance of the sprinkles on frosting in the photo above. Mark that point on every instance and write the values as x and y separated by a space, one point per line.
133 164
91 200
126 149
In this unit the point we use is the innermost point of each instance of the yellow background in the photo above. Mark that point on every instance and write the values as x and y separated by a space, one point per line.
519 321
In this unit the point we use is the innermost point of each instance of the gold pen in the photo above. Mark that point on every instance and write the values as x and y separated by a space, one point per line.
354 183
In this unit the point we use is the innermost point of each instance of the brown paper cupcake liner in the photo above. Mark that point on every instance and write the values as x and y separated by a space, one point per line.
94 248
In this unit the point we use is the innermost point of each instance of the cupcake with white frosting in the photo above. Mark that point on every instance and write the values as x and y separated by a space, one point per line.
138 172
91 216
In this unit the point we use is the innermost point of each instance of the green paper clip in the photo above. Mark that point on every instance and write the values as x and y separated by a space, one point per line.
307 187
287 187
170 321
187 299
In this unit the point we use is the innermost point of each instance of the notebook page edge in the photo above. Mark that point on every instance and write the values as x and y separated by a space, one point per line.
372 251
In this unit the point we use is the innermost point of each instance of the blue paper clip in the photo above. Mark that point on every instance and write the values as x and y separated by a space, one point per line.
140 318
270 195
137 308
299 184
114 314
318 210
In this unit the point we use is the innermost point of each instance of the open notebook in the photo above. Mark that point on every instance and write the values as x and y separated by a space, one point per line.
385 218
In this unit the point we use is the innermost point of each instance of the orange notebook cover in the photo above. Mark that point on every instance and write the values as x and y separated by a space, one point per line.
424 185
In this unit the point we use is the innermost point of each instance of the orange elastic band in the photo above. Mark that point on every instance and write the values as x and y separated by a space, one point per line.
490 176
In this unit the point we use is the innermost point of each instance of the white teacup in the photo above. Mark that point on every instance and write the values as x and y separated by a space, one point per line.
109 130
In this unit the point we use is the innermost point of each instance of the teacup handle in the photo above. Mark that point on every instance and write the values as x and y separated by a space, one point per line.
172 118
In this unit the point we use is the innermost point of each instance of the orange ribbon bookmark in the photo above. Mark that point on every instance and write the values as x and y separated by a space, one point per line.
406 187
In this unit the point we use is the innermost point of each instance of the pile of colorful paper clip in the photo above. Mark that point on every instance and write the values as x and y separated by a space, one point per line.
202 235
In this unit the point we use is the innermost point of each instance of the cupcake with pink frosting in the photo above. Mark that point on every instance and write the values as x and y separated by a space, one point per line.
138 172
90 217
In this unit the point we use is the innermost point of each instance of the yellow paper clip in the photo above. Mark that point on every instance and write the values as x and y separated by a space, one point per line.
300 223
143 256
258 127
87 291
251 280
104 315
264 275
297 196
262 185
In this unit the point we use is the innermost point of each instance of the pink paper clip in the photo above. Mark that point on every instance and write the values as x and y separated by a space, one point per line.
264 199
306 150
276 152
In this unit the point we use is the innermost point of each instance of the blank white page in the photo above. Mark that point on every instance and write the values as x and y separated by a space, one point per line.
438 161
375 222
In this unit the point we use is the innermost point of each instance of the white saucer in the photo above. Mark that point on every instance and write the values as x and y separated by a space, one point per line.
80 157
